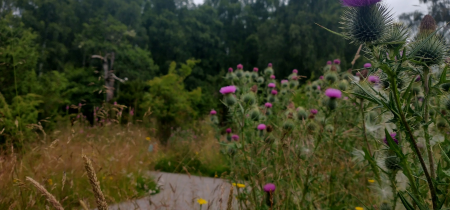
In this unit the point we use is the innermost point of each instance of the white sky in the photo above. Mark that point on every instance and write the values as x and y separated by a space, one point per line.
398 6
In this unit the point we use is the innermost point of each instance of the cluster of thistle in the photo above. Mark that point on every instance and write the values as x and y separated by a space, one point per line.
407 86
260 113
267 132
332 77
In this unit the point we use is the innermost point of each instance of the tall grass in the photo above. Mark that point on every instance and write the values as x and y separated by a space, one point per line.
119 155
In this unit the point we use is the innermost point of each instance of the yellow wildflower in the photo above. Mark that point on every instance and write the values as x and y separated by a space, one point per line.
215 176
239 185
110 178
50 181
359 208
201 201
148 139
196 153
371 181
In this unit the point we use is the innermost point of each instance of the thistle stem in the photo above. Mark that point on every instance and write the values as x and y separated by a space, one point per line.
425 127
414 145
364 126
394 188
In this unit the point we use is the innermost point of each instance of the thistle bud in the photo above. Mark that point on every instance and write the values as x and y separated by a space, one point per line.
293 83
239 73
427 25
392 162
302 114
254 75
343 85
331 77
441 124
230 99
255 114
268 71
247 75
288 125
311 127
260 80
249 99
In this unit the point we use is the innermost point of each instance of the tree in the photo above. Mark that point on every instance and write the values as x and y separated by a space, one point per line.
171 104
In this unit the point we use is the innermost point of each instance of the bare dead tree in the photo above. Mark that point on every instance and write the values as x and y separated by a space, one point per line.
109 76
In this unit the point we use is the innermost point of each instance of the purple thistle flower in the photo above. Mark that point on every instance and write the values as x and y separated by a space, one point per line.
318 87
213 112
235 137
333 93
230 69
269 187
271 85
295 71
261 127
272 76
284 81
359 3
78 116
345 98
228 90
269 65
367 65
67 107
240 66
329 62
374 79
314 111
79 104
268 105
132 112
115 103
321 77
274 92
255 69
418 78
337 61
228 130
393 135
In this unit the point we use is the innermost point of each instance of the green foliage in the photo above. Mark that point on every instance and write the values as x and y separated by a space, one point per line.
171 104
146 186
18 58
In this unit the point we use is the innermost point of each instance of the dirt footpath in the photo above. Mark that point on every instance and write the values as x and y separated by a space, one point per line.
180 192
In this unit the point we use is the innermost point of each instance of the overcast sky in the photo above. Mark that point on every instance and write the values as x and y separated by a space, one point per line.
398 6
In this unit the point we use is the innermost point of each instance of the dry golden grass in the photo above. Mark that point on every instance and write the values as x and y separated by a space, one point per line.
119 155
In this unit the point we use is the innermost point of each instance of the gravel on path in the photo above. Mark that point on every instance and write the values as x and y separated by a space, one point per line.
180 192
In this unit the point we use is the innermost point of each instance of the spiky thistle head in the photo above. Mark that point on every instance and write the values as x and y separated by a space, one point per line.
446 102
249 98
343 85
302 114
359 3
367 23
396 36
429 49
